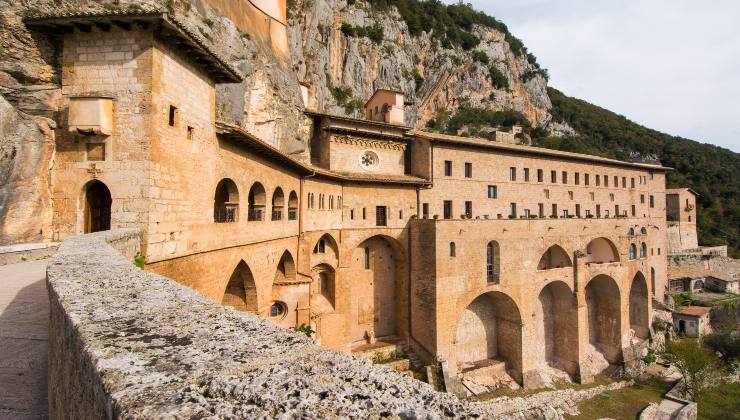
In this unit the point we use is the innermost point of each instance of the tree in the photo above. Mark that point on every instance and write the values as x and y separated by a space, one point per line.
726 343
698 365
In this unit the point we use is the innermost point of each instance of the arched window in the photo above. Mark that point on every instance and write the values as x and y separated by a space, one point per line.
631 232
226 202
493 266
292 206
320 247
633 251
367 258
643 250
278 202
452 249
256 202
643 231
652 279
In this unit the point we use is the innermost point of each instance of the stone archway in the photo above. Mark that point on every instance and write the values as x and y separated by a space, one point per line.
603 305
601 250
638 305
489 337
241 291
97 207
556 321
376 271
554 257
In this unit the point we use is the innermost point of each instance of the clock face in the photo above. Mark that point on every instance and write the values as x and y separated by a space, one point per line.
368 160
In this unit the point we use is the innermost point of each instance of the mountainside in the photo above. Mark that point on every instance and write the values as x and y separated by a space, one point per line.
709 170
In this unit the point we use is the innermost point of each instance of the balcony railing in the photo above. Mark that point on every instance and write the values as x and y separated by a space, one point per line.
256 214
225 214
277 214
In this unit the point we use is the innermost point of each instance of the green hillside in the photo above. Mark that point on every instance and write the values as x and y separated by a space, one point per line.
711 171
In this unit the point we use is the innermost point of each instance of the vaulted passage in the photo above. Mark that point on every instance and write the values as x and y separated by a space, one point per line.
639 301
604 320
241 292
554 257
556 320
489 332
601 250
377 268
97 207
285 269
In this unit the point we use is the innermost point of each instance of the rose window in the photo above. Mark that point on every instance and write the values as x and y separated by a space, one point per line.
368 159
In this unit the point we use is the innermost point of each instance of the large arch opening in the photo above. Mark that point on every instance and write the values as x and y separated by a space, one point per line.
323 288
554 257
601 250
241 291
488 342
256 202
325 249
97 207
226 202
639 301
556 320
604 323
377 271
278 202
285 269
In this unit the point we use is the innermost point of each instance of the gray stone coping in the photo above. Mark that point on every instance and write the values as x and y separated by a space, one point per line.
125 343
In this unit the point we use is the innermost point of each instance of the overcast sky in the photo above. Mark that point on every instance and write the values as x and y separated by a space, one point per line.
671 65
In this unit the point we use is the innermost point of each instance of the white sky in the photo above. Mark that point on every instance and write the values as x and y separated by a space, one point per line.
671 65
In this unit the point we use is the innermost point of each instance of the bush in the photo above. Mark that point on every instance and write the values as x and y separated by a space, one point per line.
305 329
418 80
726 343
481 57
498 78
374 33
697 365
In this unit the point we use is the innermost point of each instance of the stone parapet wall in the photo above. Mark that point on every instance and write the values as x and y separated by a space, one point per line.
128 343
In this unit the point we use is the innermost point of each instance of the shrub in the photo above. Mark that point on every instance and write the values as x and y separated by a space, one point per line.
418 80
374 33
481 57
726 343
697 365
498 78
305 329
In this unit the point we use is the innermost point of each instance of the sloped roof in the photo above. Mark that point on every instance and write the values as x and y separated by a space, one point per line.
693 272
693 310
169 25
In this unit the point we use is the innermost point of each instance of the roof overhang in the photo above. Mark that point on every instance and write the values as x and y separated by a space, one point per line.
168 27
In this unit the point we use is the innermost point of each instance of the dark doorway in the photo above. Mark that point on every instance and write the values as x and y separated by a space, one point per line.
97 207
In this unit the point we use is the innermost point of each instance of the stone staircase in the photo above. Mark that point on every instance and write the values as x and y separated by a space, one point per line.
383 348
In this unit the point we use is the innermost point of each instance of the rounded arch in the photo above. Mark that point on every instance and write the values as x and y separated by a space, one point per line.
631 232
285 270
643 230
638 307
489 331
554 257
378 269
601 250
241 291
633 252
603 305
256 200
98 202
278 202
493 262
643 250
226 202
556 320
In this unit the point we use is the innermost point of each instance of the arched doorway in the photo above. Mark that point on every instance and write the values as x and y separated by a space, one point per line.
604 320
376 271
556 320
638 306
97 207
241 292
489 332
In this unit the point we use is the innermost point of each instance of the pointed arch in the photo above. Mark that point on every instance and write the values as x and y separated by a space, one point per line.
278 202
292 206
98 204
226 202
603 305
256 201
554 257
241 291
643 250
285 270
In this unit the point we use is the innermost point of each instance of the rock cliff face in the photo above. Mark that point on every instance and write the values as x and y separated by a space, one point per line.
340 71
325 57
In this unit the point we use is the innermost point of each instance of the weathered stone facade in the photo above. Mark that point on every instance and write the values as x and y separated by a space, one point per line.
498 259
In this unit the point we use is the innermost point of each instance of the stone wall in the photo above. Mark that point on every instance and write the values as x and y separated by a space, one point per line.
127 343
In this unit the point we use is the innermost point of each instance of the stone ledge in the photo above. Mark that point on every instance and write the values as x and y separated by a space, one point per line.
127 343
